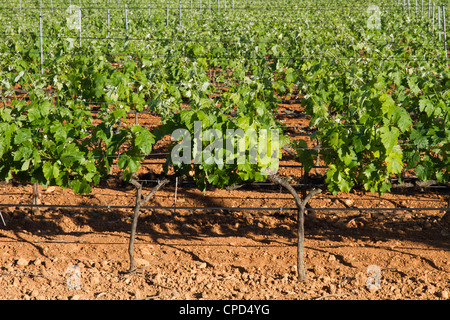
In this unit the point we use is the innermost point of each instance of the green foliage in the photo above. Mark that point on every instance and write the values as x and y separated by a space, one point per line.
377 99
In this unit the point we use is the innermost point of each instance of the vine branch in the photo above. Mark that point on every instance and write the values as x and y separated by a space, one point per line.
301 205
139 202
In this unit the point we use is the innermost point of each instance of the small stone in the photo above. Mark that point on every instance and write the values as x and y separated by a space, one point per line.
16 282
75 297
138 294
332 288
201 265
96 280
142 262
50 189
331 258
22 262
351 224
37 262
444 294
293 269
175 294
349 202
101 294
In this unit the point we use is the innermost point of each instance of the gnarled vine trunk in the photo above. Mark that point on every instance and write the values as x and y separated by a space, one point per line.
301 205
139 203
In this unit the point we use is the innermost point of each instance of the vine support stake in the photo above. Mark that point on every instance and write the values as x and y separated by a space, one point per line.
139 203
41 37
444 29
434 9
429 9
176 194
180 14
79 23
439 24
36 198
149 15
301 205
107 19
415 10
167 14
126 22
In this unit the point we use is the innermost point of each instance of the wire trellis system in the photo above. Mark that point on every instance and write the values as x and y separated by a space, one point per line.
280 209
214 9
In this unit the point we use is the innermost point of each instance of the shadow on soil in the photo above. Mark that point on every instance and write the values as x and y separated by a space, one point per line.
165 226
162 225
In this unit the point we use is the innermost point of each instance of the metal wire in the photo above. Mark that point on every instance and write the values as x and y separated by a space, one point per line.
110 207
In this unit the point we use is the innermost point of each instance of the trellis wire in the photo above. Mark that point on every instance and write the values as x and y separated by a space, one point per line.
110 207
245 8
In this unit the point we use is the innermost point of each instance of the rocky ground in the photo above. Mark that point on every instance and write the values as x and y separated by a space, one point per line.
221 254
